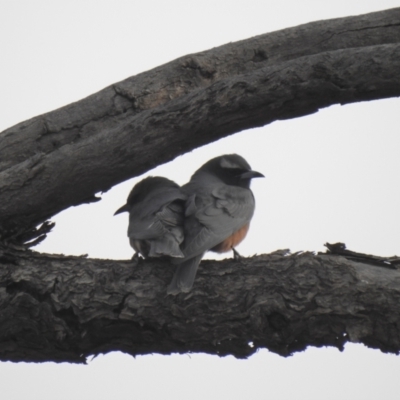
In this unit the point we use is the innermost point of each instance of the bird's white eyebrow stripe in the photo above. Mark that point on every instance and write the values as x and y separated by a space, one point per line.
225 163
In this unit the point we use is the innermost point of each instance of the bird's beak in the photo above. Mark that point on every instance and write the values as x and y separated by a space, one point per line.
251 175
124 208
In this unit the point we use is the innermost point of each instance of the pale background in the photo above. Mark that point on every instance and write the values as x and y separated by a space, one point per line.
331 176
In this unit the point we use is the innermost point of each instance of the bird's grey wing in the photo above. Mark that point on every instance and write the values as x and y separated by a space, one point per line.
160 223
211 221
160 209
172 215
161 199
170 220
237 202
144 226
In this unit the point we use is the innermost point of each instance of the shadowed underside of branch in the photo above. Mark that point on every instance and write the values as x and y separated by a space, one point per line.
65 157
56 308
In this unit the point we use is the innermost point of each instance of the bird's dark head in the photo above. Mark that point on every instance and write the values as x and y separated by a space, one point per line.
232 169
143 188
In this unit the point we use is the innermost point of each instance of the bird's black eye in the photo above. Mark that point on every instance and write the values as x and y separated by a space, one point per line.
238 172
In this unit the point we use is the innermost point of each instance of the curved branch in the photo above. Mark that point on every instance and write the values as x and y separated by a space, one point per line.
63 158
56 308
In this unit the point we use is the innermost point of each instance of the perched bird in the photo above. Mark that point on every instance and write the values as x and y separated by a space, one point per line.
218 211
156 213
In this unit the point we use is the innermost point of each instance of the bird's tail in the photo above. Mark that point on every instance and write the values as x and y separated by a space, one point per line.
183 278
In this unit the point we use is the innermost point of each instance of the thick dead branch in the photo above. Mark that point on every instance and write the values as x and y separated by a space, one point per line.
67 308
64 157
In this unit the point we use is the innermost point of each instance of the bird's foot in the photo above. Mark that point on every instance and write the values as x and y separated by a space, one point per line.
236 255
136 259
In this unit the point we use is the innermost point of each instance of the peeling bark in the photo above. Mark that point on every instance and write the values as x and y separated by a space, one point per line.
56 308
65 157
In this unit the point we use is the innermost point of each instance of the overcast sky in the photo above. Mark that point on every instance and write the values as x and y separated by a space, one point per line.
331 176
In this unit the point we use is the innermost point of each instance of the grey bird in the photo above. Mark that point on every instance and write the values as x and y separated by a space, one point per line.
218 211
156 214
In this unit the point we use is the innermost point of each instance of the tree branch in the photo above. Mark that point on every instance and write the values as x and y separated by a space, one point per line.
65 157
56 308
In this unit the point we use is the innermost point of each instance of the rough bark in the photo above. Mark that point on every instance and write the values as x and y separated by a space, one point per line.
65 157
55 308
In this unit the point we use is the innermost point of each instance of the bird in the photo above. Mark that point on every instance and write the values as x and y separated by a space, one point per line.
218 211
156 214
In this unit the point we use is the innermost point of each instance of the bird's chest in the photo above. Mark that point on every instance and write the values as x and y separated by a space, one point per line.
232 241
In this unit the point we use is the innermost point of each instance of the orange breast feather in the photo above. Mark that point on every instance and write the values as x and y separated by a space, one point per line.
232 241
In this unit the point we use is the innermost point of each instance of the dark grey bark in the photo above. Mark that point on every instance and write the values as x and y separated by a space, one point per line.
66 308
65 157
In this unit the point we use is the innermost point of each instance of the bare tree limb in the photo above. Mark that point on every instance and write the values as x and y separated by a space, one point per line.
65 157
56 308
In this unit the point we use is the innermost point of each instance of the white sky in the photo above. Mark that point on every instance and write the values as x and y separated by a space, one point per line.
330 177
